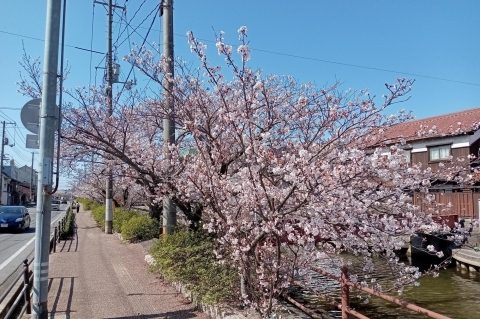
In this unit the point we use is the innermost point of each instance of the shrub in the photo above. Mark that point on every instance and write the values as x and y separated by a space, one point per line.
98 214
188 257
140 228
120 217
69 227
88 204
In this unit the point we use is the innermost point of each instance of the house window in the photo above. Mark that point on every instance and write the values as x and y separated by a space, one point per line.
438 153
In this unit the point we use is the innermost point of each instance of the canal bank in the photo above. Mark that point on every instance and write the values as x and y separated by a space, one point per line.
454 293
467 258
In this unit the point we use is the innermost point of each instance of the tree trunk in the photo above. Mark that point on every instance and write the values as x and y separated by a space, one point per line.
155 209
192 211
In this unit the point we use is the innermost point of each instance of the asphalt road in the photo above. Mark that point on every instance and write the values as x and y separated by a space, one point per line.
16 246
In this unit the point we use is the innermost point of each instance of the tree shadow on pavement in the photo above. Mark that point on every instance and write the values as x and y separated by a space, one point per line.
180 314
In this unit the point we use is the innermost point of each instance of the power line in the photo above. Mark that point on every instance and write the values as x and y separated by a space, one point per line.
21 156
12 146
278 53
140 25
336 62
118 36
126 25
13 137
157 7
5 116
20 135
43 40
365 67
21 140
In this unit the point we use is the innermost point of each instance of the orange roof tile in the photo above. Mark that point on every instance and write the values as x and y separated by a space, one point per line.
457 123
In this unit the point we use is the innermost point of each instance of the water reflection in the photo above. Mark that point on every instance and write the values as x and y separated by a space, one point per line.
453 293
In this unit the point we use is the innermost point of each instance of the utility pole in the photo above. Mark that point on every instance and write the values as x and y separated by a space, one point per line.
109 185
169 209
109 95
31 179
48 118
1 163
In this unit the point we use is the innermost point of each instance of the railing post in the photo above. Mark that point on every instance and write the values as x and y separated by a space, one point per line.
345 293
59 230
26 283
55 235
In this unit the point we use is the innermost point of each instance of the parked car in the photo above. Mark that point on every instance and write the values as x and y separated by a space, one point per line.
63 201
14 217
55 204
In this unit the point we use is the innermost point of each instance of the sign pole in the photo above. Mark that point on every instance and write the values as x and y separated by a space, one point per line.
48 117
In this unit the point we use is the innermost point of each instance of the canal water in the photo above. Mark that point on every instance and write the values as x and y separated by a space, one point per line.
454 293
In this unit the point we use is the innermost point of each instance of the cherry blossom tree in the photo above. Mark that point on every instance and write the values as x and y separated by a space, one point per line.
91 184
129 142
30 83
287 174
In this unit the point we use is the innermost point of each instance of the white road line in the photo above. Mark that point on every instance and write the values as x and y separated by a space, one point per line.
60 215
5 263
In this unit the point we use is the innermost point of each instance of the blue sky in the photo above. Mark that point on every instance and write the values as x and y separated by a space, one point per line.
364 44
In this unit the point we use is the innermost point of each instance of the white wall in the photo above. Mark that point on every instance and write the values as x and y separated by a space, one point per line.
456 141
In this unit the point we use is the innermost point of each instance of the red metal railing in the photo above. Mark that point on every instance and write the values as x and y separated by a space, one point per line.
344 306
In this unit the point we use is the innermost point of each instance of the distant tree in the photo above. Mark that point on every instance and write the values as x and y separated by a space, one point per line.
91 184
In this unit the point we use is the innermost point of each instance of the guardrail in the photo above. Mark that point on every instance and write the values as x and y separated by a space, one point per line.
20 287
344 305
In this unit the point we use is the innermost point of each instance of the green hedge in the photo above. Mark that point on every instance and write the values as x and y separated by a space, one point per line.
142 228
98 214
139 228
120 217
188 257
69 227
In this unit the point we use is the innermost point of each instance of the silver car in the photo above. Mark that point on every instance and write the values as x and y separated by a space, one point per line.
55 204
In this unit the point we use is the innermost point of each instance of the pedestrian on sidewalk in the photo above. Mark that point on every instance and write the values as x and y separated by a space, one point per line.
78 207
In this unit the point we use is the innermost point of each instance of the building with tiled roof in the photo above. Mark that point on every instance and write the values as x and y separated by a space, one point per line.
459 123
430 141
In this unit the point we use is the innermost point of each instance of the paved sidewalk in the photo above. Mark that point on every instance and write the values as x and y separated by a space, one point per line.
96 275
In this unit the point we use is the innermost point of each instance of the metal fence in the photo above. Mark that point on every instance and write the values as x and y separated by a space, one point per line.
20 288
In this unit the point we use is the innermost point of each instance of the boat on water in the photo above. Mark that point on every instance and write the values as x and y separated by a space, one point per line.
423 258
